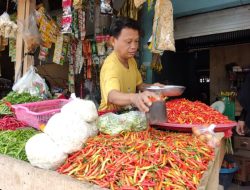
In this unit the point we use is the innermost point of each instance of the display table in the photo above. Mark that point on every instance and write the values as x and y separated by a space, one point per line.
17 174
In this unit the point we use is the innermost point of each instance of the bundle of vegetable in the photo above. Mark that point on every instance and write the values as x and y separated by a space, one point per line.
113 124
183 111
19 98
10 123
5 109
12 143
148 159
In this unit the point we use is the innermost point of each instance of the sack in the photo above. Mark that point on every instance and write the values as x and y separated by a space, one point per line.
32 83
163 32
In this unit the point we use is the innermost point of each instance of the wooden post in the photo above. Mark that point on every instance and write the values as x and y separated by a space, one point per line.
25 7
28 60
19 40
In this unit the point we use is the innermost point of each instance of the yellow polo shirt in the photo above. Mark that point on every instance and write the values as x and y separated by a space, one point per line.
115 76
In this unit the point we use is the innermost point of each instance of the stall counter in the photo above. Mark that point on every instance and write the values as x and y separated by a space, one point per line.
17 174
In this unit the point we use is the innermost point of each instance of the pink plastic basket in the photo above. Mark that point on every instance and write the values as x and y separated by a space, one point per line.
38 113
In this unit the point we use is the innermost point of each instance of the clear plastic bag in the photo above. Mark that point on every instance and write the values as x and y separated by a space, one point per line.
31 35
207 135
33 83
113 124
106 7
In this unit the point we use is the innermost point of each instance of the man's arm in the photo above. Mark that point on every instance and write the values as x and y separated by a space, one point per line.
140 100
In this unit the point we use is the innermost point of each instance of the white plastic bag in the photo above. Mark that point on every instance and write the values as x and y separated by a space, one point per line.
32 82
84 109
42 152
69 131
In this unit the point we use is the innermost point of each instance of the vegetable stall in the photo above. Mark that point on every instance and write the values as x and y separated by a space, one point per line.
125 154
52 144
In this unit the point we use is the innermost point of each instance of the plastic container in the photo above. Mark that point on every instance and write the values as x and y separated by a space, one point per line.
226 176
36 114
157 112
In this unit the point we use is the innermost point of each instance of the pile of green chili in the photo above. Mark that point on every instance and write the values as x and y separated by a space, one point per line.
19 98
12 143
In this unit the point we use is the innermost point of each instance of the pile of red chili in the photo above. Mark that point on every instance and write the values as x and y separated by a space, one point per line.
10 123
143 160
183 111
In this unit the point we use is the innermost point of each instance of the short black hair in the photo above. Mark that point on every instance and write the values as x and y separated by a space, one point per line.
120 23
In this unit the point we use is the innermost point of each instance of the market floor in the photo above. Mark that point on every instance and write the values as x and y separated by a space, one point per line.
234 186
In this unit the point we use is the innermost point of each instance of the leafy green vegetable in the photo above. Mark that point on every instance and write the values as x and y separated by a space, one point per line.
12 143
19 98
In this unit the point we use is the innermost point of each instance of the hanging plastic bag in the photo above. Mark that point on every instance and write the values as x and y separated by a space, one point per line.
163 27
34 84
31 35
106 7
207 135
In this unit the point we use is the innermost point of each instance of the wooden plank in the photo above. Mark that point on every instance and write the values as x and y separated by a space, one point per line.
19 41
28 60
20 175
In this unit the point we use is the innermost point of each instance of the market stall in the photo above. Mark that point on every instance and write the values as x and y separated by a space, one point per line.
75 146
126 153
29 177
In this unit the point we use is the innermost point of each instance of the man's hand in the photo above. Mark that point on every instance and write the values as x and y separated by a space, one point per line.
142 101
240 127
158 84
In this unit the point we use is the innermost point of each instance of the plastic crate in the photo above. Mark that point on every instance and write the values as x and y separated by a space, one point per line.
37 113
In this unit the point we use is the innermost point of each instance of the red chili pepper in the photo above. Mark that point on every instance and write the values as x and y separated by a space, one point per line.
183 111
140 160
10 123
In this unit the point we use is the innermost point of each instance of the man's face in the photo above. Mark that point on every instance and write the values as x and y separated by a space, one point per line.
127 43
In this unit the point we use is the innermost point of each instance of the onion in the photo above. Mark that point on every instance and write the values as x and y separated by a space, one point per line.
196 131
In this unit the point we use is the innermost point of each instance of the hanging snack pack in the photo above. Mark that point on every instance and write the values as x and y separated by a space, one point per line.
47 27
58 49
44 51
81 23
77 4
67 17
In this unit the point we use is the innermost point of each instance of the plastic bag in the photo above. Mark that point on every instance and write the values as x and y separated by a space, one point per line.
207 135
33 83
163 27
106 7
31 35
113 124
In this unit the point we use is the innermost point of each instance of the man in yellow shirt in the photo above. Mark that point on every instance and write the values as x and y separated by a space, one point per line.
119 77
